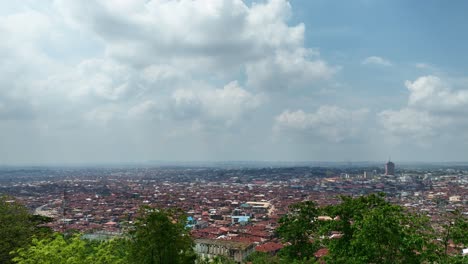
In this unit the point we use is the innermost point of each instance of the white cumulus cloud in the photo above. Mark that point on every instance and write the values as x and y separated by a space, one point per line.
434 108
89 69
330 122
375 60
219 36
226 105
433 94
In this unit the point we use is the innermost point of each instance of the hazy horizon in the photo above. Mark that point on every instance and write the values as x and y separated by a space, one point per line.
131 81
239 164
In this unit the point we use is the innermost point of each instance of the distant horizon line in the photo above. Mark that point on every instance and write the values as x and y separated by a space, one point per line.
221 162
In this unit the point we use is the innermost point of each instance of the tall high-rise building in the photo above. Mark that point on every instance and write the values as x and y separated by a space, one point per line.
389 168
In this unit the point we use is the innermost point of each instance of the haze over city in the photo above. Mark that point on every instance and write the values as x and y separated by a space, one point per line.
136 81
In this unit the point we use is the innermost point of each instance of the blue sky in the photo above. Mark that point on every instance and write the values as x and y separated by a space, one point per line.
403 30
131 81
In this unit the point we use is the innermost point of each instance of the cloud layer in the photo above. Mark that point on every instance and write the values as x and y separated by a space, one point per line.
434 110
331 123
139 80
375 60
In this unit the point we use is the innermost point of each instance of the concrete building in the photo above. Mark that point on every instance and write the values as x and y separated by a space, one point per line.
389 168
259 207
210 248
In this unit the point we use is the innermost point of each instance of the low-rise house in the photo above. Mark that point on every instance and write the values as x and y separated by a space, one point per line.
210 248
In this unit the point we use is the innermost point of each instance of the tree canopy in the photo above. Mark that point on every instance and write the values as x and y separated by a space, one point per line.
300 230
17 227
160 236
373 230
367 229
72 250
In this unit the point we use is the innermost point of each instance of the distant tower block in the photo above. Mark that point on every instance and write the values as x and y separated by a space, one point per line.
390 168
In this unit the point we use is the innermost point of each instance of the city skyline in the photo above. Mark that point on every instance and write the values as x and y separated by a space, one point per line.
194 81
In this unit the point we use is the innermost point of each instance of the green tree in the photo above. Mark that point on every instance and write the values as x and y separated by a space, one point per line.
215 260
371 231
114 251
263 258
455 229
56 250
160 236
72 250
16 227
375 231
300 229
41 231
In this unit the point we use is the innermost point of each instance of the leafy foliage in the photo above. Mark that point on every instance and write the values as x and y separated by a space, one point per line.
17 227
215 260
299 228
110 252
456 230
377 231
73 250
160 237
459 228
264 258
370 229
